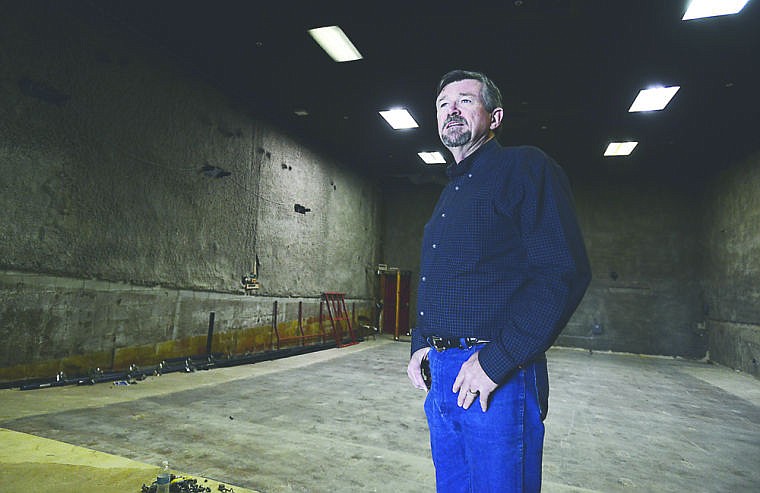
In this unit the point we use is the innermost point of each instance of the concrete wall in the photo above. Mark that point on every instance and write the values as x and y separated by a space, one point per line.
732 266
643 242
112 237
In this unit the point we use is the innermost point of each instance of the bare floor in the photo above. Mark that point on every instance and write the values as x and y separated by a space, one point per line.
346 420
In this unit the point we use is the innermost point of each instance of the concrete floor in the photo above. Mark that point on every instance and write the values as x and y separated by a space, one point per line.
346 420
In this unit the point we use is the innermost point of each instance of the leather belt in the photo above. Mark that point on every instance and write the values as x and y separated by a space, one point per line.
443 343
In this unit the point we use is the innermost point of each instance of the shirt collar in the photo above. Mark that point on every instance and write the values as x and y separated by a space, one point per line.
466 164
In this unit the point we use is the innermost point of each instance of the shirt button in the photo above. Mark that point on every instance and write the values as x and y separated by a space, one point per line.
443 215
435 246
424 278
422 314
456 187
469 175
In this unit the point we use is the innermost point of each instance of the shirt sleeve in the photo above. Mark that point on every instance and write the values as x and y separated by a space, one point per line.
418 342
539 200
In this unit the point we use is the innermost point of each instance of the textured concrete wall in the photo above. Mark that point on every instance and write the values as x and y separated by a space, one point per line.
732 267
109 223
643 242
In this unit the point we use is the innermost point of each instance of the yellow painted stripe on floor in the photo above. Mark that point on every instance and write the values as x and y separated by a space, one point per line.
21 447
35 464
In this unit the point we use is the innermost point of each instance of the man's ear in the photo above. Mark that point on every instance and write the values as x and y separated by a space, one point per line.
496 115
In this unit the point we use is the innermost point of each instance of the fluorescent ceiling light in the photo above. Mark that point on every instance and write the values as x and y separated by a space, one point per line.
399 118
334 41
711 8
432 157
620 148
653 99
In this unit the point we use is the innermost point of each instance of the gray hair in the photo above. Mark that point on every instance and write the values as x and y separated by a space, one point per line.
490 94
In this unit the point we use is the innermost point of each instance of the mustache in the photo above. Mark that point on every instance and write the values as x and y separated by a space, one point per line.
453 118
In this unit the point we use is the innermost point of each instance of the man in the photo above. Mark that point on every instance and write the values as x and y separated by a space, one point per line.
503 268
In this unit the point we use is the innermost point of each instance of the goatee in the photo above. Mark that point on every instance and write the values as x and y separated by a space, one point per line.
455 138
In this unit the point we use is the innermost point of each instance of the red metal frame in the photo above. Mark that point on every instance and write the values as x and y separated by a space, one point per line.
301 337
339 315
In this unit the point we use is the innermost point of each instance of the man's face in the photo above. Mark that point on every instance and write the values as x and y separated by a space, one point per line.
462 118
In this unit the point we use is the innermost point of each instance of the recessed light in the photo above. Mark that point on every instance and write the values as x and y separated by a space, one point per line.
711 8
434 157
653 99
301 112
334 41
399 118
620 148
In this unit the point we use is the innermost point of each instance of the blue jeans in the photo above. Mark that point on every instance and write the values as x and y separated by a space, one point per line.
476 452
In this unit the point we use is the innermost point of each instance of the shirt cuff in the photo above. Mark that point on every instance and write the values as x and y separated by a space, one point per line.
418 341
496 364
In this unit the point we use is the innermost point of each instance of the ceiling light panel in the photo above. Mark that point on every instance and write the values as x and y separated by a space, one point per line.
711 8
653 99
620 148
334 41
399 118
432 157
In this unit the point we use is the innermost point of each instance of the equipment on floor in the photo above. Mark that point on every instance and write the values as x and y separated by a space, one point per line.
181 484
341 335
185 364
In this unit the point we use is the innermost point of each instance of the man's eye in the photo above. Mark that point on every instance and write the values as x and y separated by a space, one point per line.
441 105
466 100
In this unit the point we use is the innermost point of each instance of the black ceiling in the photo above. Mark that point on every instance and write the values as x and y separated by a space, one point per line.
568 69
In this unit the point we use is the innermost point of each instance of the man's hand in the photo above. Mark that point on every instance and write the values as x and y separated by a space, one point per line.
414 370
471 383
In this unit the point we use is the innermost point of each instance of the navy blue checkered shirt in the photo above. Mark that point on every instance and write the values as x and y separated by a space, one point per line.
503 258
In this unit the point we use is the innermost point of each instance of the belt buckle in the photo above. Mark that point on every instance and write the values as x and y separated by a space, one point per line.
438 343
470 341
